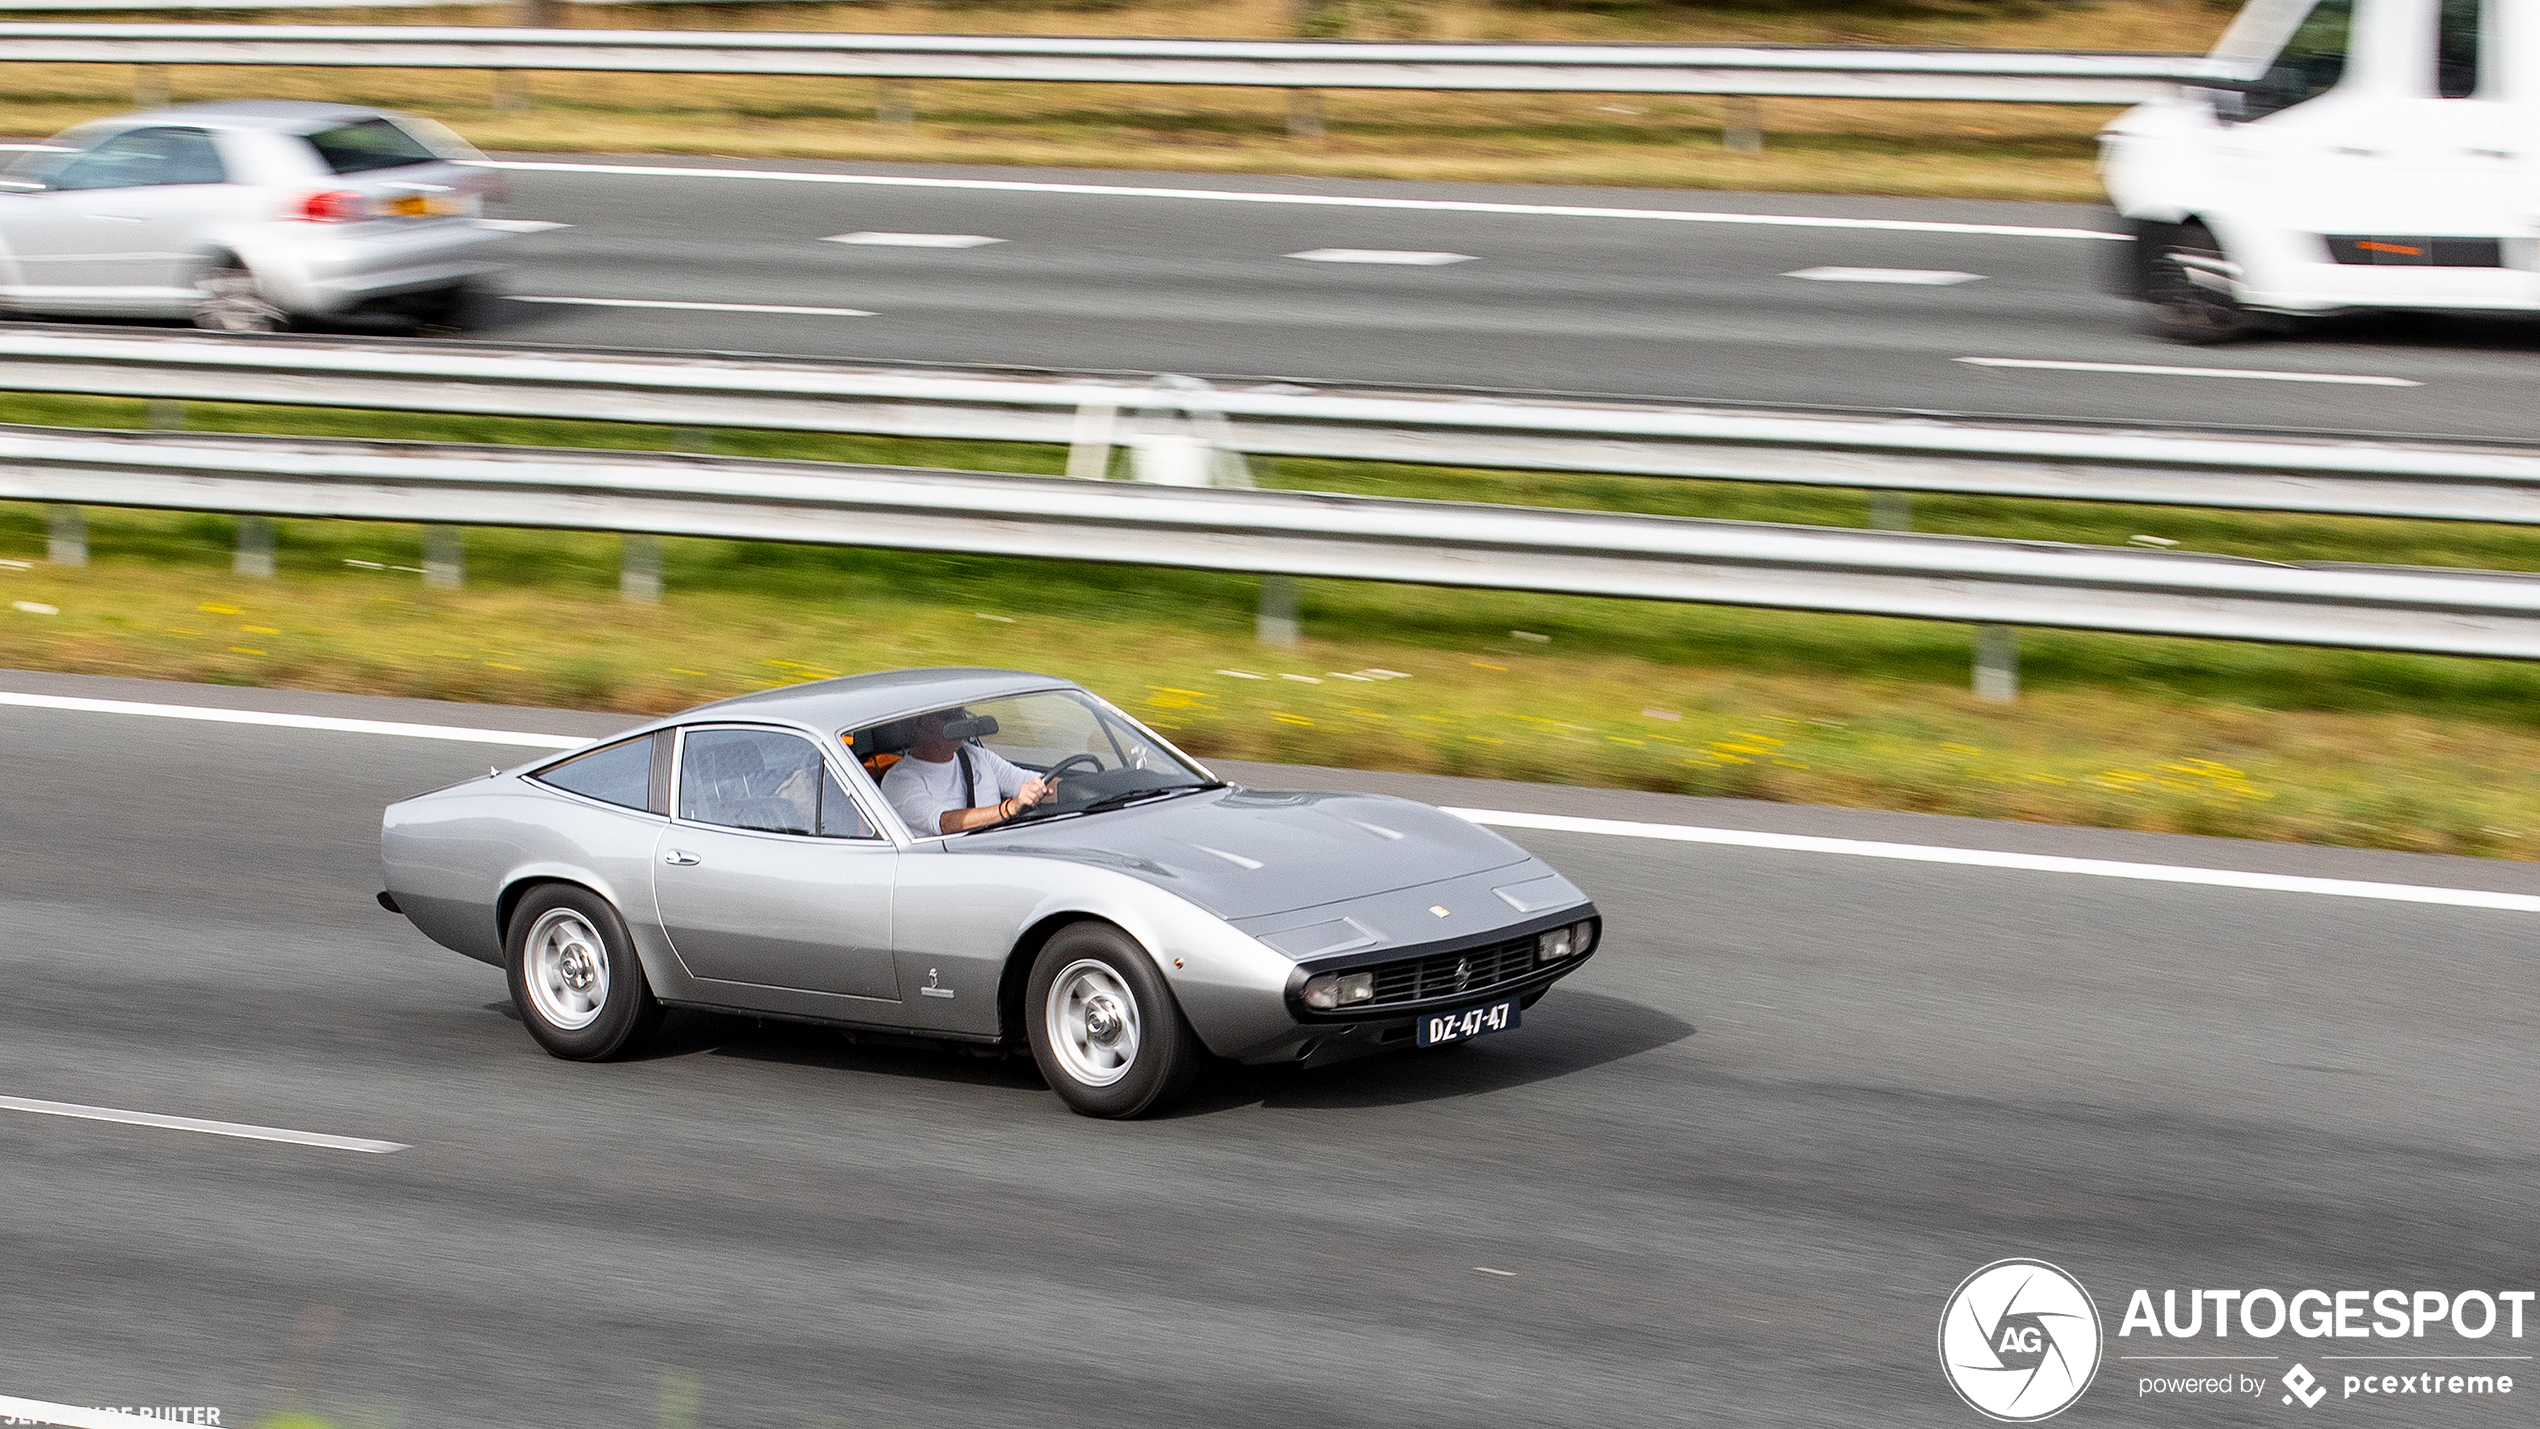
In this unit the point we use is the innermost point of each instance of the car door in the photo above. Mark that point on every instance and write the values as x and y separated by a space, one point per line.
117 224
771 874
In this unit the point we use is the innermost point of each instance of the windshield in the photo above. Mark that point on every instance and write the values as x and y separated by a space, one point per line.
1093 757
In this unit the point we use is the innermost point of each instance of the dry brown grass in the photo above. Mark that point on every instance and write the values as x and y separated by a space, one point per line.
1972 150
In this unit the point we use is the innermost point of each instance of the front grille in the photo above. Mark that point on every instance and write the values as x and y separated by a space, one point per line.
1475 970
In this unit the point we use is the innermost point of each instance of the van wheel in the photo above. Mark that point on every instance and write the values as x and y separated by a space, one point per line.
231 302
2189 282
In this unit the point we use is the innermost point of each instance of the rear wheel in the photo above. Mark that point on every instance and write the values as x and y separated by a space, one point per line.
575 977
2189 282
1105 1029
231 302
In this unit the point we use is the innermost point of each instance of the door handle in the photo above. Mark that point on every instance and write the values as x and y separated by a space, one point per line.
680 858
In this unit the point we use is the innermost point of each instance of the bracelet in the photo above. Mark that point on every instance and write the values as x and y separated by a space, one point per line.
1004 812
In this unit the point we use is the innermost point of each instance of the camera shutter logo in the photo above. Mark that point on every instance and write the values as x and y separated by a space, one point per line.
2019 1340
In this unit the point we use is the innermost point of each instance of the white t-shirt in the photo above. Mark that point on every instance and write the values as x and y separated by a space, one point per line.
923 793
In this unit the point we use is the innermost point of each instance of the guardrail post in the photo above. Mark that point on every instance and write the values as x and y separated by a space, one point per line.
1277 623
149 86
163 415
639 578
1089 441
1172 459
891 102
444 557
1891 511
1997 663
511 90
255 547
1743 125
66 542
1305 114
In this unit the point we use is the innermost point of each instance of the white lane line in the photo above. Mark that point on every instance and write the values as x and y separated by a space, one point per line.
209 1128
2026 862
914 240
1507 819
1912 277
1403 257
696 307
2154 369
1415 205
520 225
35 1411
396 728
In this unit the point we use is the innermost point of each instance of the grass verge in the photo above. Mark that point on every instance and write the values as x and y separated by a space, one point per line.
2381 751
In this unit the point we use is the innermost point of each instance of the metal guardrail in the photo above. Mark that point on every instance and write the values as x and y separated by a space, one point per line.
2026 77
1952 578
1171 424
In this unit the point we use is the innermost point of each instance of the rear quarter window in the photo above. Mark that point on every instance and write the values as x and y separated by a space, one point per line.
620 774
368 144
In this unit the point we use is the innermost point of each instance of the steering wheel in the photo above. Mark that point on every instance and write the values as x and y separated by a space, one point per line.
1092 762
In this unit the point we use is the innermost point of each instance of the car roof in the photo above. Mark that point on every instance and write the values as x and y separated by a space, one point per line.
289 116
854 701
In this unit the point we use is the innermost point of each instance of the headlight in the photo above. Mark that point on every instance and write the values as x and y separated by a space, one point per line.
1582 938
1325 991
1552 947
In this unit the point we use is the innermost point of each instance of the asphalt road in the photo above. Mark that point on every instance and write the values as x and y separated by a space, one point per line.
1732 1167
1561 302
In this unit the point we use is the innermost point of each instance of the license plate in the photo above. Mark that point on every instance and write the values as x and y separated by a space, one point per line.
1436 1029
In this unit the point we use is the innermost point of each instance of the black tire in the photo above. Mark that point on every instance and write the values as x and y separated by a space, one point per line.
232 301
2184 309
575 977
1085 966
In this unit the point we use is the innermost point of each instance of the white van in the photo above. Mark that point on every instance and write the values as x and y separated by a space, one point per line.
2349 155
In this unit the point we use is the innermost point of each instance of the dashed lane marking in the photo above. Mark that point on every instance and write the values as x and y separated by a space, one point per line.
208 1128
1910 277
2156 369
697 307
1415 205
913 240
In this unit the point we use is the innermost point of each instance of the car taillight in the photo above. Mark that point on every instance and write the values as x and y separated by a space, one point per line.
336 206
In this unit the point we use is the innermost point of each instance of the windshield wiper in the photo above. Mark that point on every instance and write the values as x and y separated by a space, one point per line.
1126 797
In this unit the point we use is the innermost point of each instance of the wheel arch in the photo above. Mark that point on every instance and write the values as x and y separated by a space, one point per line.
1027 950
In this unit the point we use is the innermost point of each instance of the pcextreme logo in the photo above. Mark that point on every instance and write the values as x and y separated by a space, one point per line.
2019 1340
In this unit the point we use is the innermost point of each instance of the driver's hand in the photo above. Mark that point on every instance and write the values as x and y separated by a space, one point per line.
1035 789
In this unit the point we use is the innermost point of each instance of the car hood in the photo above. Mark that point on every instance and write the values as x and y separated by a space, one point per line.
1245 853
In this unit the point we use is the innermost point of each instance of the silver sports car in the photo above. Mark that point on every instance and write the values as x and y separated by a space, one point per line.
980 856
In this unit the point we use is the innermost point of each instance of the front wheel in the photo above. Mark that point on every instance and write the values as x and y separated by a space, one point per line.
1105 1030
2189 282
575 977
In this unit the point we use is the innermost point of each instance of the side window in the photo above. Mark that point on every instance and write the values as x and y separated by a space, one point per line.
139 158
839 816
2456 48
620 774
2309 65
767 780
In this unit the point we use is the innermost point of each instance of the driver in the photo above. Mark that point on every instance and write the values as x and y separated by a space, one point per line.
937 784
